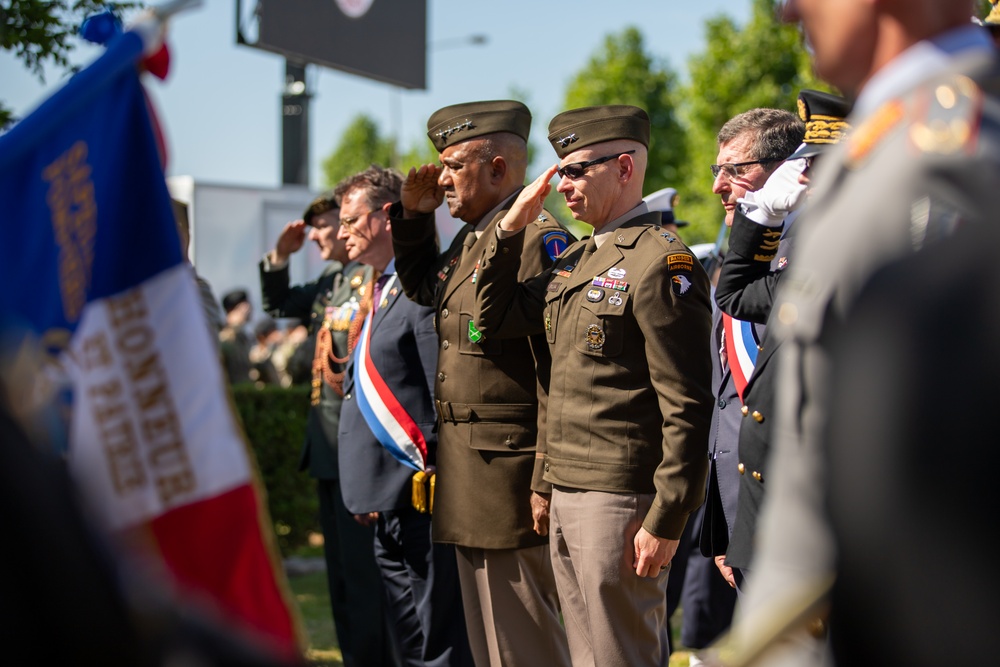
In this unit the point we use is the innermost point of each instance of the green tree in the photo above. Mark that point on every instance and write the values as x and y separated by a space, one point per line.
621 71
761 64
42 32
361 145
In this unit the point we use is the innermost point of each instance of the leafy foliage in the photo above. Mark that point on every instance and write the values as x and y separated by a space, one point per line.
274 419
360 146
621 71
762 64
41 32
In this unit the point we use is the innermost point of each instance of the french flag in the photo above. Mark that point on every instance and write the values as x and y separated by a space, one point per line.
95 279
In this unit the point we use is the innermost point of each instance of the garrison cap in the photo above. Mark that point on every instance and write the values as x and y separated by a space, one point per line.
461 122
577 128
824 115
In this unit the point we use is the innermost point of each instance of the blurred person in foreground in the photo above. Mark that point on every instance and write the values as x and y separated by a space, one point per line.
491 501
626 315
388 439
330 305
907 460
922 159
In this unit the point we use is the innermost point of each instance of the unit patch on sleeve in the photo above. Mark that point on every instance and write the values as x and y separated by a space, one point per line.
680 261
680 284
555 242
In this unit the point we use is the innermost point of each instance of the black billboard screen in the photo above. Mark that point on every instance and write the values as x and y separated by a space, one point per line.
384 40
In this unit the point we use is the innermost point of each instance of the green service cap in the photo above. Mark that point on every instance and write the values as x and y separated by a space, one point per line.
461 122
574 129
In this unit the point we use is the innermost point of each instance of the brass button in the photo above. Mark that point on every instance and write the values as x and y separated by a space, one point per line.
505 250
742 468
510 443
445 345
745 410
757 417
441 377
444 313
493 246
757 476
546 467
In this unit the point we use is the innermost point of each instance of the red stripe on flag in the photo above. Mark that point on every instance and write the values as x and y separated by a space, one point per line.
216 546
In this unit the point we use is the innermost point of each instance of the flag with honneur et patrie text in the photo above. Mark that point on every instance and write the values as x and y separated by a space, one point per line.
93 269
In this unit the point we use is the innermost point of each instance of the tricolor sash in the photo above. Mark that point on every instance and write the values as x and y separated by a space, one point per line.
741 351
388 420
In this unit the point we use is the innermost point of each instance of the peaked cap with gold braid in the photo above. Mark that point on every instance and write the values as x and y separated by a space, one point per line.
824 115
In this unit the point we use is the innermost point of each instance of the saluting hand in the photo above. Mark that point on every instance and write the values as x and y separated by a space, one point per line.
652 554
529 203
421 193
289 241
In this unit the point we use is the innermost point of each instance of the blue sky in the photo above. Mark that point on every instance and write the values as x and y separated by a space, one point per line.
221 102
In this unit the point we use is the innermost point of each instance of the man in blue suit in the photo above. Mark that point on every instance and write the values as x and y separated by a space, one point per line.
387 438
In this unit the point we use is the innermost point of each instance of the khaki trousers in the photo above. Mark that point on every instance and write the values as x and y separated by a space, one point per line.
612 616
511 607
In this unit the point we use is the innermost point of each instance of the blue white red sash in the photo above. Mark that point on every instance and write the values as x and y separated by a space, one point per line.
388 420
741 351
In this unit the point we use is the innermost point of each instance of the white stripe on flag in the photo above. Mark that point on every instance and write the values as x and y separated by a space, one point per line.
152 428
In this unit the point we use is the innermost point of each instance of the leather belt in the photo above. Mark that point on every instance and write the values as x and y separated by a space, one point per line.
486 412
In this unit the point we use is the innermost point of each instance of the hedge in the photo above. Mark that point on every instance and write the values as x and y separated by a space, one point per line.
274 419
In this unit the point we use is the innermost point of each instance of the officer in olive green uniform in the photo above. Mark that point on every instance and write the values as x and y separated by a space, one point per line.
490 393
627 316
331 306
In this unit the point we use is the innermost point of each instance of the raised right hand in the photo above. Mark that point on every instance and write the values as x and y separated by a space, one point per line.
289 241
421 193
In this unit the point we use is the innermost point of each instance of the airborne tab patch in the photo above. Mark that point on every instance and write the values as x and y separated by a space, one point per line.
680 261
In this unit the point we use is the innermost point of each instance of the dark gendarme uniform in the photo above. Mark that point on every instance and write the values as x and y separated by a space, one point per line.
758 258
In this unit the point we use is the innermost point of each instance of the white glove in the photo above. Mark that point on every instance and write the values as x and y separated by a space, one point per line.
781 195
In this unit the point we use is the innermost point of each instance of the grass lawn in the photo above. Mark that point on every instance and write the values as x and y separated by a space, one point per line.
314 603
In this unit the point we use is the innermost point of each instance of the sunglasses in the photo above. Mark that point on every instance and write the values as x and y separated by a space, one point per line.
578 169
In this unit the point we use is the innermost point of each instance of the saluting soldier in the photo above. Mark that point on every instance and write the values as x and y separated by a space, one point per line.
626 315
330 306
752 145
490 393
760 251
